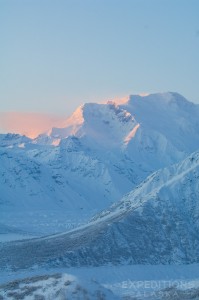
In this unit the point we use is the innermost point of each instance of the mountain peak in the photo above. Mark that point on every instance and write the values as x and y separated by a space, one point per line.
106 123
164 98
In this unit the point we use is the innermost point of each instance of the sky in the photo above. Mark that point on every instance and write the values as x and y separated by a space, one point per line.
56 55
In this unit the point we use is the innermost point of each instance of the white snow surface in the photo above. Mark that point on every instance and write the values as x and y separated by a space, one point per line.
138 281
109 201
58 181
156 223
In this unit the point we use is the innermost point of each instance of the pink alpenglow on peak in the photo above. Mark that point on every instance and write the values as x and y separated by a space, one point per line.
28 124
76 119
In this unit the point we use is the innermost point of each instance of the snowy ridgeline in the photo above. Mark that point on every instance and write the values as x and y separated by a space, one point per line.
120 182
47 189
157 223
59 180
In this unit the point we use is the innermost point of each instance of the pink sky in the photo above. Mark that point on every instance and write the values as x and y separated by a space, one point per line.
29 124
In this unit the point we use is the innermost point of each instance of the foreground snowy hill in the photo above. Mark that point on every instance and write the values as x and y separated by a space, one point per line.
157 223
55 286
101 152
112 282
136 282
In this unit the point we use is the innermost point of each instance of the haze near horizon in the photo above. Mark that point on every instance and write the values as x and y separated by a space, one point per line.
56 55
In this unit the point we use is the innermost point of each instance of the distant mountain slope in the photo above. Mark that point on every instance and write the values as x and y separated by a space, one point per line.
157 223
168 114
168 123
102 152
153 131
104 124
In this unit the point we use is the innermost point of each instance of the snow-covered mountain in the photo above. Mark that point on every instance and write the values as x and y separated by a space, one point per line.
168 116
152 131
156 223
106 125
100 153
55 286
111 194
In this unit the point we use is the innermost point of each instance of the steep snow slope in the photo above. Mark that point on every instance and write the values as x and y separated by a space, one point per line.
69 183
104 124
169 127
158 222
45 176
102 152
168 114
152 131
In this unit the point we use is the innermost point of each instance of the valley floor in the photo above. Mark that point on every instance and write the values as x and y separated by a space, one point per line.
23 225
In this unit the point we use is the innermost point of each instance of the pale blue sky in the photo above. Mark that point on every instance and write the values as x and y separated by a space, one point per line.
55 55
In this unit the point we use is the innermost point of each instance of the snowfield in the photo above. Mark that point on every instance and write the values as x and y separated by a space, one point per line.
55 286
162 213
109 282
102 152
105 206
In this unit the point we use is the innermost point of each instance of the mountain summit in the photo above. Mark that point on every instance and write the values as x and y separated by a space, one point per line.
100 153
